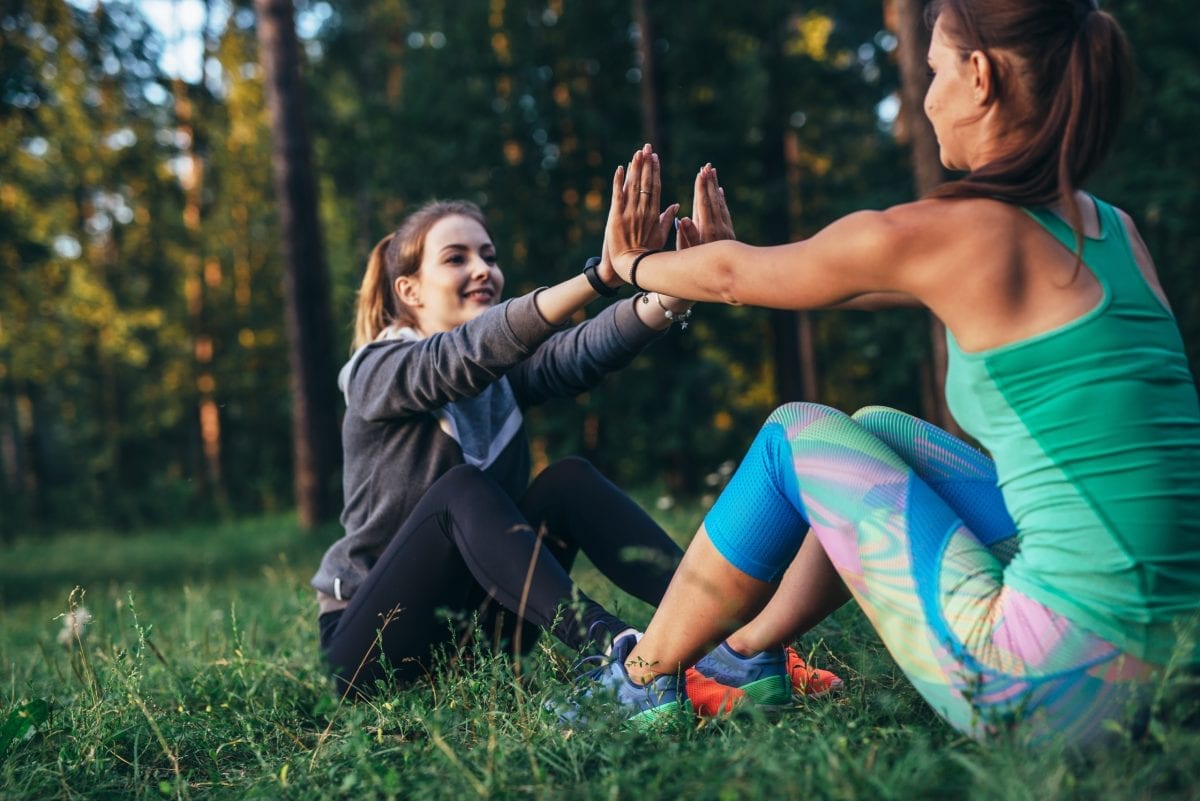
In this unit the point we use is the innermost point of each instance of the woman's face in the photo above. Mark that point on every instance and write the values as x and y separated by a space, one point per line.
951 103
458 278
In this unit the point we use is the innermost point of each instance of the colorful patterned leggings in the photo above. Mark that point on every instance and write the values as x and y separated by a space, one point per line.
915 525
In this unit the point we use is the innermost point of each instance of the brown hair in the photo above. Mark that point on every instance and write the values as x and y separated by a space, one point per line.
1075 67
400 253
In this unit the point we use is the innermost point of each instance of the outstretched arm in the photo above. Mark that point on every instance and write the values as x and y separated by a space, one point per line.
857 256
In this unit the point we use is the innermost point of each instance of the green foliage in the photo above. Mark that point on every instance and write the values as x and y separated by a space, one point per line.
207 684
547 102
113 292
22 723
140 254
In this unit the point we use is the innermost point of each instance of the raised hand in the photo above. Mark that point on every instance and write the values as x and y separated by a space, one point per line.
635 223
711 213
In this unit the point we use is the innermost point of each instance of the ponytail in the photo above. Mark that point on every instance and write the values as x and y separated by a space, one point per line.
375 308
1076 73
1097 84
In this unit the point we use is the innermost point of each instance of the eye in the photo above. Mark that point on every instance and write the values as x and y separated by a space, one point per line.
456 258
490 258
930 72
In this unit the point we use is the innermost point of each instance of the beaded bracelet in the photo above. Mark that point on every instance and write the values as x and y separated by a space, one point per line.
675 317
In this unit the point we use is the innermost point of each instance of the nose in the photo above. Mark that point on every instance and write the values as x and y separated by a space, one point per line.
480 269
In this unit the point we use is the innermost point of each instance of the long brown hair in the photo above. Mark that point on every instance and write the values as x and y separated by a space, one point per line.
400 253
1076 70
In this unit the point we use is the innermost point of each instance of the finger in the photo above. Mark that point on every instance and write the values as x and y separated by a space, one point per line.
726 220
618 193
714 198
645 181
685 233
629 168
633 186
665 221
655 182
615 209
722 207
698 199
706 214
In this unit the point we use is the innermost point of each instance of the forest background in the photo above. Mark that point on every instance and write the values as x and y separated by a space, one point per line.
144 356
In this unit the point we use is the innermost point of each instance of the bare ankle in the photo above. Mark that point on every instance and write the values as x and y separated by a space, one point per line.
641 671
744 644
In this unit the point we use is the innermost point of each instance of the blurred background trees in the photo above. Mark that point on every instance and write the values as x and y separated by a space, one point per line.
143 349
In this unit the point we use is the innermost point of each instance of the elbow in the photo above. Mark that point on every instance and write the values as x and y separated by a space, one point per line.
726 285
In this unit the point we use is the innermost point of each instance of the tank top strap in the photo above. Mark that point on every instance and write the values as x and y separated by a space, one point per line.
1109 256
1053 224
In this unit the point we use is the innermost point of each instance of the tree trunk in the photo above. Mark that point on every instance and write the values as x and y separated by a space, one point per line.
907 19
806 340
306 284
649 87
207 410
793 341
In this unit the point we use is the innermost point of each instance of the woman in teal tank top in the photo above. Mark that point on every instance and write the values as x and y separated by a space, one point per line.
1040 589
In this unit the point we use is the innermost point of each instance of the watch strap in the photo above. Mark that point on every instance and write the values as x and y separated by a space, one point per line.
589 272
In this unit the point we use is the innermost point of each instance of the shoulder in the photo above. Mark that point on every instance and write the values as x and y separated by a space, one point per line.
966 216
1141 255
928 240
934 224
1131 229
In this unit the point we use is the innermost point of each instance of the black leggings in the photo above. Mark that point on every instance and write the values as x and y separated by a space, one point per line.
467 542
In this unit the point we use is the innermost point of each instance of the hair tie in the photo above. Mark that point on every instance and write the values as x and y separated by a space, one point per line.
633 270
1082 11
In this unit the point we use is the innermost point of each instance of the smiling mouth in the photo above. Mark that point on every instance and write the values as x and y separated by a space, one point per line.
484 295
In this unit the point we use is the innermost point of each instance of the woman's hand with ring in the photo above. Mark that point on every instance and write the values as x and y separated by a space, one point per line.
635 223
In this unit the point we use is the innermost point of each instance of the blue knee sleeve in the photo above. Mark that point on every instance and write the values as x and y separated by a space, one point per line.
758 522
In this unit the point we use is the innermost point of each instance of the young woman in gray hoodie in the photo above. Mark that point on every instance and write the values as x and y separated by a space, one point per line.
439 512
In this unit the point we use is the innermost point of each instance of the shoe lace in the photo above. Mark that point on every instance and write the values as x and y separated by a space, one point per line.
590 667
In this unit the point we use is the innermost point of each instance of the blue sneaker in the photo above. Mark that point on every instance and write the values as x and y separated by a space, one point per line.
724 677
643 706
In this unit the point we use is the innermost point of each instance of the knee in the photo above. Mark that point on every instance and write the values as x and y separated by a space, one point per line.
875 418
462 480
572 467
567 475
463 473
797 416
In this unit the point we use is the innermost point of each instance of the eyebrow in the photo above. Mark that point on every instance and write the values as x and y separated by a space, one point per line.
460 246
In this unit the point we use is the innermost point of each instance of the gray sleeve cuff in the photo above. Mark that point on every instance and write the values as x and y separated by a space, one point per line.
526 322
633 332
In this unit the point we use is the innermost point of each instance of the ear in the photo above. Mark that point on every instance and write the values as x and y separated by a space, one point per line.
983 77
408 289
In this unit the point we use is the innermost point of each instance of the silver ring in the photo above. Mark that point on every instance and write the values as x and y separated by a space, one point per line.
645 192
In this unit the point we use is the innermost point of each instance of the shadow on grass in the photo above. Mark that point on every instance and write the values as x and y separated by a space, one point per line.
32 570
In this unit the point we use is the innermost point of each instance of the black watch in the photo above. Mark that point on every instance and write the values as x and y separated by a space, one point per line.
589 272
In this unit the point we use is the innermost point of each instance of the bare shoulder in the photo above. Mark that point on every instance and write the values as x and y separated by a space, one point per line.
938 223
939 235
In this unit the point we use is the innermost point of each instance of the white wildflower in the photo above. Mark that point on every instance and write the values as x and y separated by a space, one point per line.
74 623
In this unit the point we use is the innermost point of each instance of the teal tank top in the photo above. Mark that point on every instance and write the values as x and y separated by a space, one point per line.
1095 431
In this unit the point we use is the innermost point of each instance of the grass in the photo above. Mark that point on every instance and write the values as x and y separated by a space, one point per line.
199 678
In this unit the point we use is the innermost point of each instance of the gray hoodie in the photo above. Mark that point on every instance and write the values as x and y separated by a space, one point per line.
417 407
